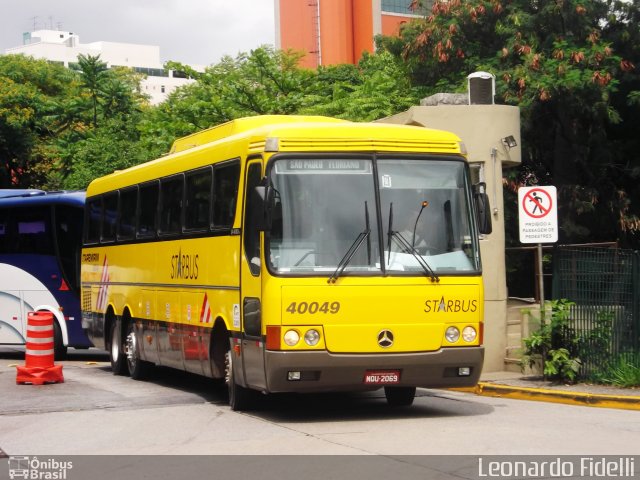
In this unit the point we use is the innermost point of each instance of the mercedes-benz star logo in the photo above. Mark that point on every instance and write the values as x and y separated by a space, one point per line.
385 338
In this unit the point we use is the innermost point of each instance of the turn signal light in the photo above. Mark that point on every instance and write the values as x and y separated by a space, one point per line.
273 337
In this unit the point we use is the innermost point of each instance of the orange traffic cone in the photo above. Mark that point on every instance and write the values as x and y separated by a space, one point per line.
39 367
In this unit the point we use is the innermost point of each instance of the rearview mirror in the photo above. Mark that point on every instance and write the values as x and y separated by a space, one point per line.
263 203
482 208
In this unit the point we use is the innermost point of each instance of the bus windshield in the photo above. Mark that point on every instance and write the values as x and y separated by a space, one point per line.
328 212
321 207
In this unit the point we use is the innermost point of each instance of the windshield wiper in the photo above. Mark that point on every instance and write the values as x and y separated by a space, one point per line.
407 247
362 236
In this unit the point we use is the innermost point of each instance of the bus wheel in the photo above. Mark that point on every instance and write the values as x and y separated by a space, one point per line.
400 396
116 351
59 350
240 398
138 369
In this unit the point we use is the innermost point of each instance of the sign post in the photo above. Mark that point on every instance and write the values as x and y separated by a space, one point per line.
538 220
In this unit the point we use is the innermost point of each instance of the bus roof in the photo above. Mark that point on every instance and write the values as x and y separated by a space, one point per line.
241 125
19 192
16 197
287 133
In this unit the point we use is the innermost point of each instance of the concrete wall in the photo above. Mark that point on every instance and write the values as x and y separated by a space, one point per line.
482 128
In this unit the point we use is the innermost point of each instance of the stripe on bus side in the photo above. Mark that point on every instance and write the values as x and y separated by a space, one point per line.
163 285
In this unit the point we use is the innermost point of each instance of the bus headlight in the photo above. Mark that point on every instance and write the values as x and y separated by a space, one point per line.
469 334
452 334
312 337
291 338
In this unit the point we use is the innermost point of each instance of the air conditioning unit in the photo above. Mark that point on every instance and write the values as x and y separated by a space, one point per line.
482 88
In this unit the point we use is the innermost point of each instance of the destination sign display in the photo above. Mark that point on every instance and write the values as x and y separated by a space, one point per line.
327 165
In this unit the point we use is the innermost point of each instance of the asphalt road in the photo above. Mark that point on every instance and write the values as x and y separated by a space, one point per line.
94 412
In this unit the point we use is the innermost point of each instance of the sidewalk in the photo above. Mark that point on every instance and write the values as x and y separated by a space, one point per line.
521 387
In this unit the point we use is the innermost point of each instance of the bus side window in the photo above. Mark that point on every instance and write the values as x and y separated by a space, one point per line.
68 235
197 199
109 217
225 192
93 214
171 198
34 231
147 209
6 246
127 213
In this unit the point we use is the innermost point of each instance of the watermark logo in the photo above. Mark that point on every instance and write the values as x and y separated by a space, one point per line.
558 467
33 468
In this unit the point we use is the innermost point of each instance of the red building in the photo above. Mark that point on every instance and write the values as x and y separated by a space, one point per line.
336 31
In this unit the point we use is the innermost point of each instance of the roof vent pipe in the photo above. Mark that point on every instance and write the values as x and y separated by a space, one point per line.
482 88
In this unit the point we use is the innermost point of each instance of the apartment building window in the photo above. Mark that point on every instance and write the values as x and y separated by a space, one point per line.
152 72
396 6
403 7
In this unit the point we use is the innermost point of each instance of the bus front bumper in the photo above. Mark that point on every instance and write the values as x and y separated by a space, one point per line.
320 371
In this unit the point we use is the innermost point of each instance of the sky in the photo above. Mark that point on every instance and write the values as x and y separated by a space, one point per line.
197 32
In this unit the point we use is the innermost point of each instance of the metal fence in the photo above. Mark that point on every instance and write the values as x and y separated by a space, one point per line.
604 284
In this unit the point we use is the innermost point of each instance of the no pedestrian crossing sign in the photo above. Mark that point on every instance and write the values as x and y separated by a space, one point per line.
538 214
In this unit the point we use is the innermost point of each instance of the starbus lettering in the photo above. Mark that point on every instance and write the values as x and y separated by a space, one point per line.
184 266
450 306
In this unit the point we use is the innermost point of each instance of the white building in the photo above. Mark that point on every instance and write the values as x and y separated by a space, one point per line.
64 47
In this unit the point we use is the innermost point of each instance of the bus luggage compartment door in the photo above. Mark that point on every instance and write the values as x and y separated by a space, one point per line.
11 318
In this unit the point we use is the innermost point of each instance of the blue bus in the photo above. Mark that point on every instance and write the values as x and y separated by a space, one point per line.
40 247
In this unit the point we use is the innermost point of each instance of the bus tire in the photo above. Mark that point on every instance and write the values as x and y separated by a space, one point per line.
116 350
240 398
138 368
218 346
400 396
59 349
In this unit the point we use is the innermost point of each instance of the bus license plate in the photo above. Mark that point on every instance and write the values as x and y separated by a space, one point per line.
382 377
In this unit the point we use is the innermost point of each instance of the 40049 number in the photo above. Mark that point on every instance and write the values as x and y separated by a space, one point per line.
313 308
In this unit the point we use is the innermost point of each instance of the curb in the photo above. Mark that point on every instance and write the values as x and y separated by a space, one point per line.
554 396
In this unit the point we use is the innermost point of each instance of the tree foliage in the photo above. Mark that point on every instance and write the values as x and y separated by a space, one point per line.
93 75
265 81
56 123
377 87
570 65
31 94
67 127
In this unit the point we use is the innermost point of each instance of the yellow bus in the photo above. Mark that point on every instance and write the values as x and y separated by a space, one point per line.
292 254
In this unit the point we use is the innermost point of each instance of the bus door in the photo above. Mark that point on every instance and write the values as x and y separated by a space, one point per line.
250 282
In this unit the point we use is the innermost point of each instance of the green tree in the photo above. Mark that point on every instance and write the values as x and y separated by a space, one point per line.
266 81
263 81
31 94
94 74
87 150
113 146
377 87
